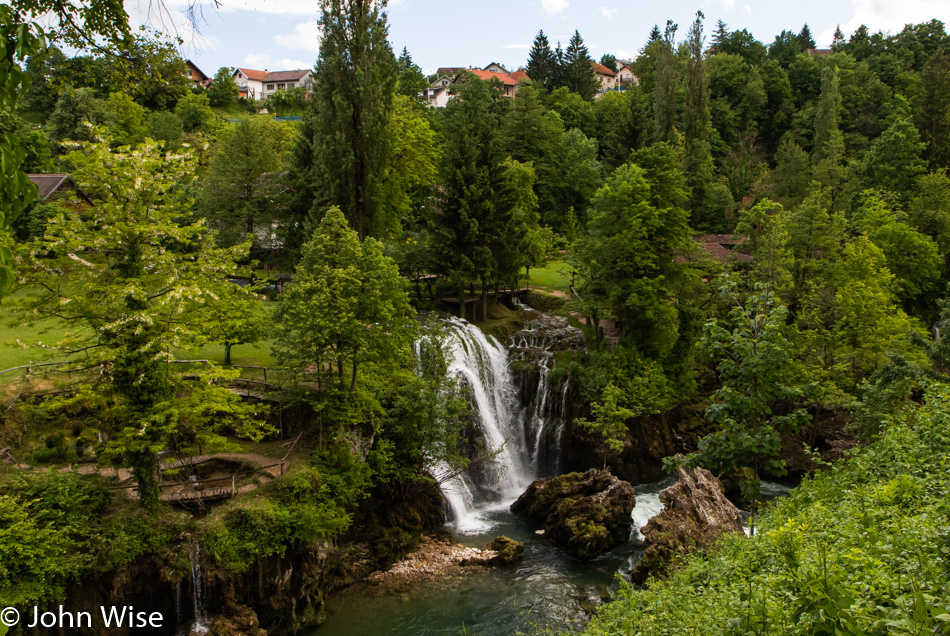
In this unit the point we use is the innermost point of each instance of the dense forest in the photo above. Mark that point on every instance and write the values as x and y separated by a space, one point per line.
207 244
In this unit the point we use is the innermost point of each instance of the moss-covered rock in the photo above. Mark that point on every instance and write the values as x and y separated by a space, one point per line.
508 550
586 513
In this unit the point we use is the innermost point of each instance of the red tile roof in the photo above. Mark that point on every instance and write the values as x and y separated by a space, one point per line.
283 76
504 78
600 69
517 76
252 74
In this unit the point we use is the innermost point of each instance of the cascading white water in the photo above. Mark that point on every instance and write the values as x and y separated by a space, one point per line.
481 363
200 625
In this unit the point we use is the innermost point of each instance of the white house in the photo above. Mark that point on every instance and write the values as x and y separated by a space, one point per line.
625 76
262 84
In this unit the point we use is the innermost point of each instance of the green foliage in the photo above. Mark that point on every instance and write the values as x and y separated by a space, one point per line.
635 227
577 73
224 91
346 305
56 529
298 509
131 280
756 374
128 120
351 114
609 423
239 193
858 549
194 111
542 63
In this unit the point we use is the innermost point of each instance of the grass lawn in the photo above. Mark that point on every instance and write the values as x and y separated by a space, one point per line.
13 354
556 275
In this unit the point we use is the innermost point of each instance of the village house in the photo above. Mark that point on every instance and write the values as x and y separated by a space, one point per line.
625 76
61 190
608 79
254 84
438 93
196 75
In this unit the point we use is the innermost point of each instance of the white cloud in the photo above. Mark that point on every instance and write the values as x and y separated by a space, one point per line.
729 5
554 7
257 61
626 54
305 37
288 64
523 47
881 15
748 8
608 13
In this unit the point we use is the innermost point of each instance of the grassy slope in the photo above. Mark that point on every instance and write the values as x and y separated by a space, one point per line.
29 351
863 548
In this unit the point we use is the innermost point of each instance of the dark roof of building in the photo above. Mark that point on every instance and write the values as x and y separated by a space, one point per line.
47 184
722 246
194 67
820 52
451 71
495 64
286 76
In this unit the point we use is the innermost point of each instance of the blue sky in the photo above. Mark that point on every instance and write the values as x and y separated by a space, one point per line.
283 34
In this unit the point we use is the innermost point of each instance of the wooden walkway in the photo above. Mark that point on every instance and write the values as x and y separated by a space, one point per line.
185 462
475 299
206 494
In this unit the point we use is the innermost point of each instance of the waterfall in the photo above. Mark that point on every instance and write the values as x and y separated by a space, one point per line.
519 426
197 584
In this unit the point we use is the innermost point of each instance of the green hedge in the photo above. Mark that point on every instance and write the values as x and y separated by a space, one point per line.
863 548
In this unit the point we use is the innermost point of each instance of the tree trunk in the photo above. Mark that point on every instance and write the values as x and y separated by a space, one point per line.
227 353
484 301
353 378
144 466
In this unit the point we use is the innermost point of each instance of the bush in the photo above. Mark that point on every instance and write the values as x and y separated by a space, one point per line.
860 549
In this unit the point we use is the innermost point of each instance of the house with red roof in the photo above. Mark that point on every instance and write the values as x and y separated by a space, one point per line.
254 84
439 91
608 79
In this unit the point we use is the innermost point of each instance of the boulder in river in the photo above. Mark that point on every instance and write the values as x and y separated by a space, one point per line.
695 515
586 513
508 550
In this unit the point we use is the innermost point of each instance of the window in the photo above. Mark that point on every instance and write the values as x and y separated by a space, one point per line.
270 87
290 85
280 87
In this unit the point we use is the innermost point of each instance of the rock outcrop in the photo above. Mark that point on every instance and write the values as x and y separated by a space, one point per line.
586 513
695 515
507 550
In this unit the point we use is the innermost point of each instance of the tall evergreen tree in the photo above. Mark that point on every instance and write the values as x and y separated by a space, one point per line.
805 39
464 220
412 83
837 41
720 35
355 81
664 96
578 73
542 63
655 34
697 158
610 61
933 114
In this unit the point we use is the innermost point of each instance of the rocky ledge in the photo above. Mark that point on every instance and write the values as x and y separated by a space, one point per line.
695 515
585 513
437 557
